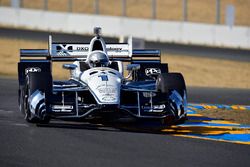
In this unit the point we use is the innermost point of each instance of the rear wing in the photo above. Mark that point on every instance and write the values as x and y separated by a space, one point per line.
79 51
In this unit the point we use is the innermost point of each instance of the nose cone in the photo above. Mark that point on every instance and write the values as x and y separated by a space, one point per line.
104 84
106 88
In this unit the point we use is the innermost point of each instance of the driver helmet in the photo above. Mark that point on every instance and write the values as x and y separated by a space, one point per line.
98 59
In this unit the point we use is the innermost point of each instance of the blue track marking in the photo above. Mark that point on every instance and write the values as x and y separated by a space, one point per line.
218 106
191 111
241 138
198 126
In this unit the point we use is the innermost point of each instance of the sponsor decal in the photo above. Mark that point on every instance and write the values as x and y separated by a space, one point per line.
78 48
63 50
107 91
63 108
109 99
104 77
32 69
114 49
149 94
152 71
154 108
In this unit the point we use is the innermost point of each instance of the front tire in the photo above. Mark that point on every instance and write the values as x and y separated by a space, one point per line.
167 82
171 81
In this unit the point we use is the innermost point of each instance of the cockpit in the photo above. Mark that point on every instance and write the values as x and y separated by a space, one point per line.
98 59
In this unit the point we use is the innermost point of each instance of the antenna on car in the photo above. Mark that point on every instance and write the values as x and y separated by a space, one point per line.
97 31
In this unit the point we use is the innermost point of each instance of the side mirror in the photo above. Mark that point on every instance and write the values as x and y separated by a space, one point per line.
133 67
69 66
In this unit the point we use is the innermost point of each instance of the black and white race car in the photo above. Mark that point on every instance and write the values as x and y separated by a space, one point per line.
97 87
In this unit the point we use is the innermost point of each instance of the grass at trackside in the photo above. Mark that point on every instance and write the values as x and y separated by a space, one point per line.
208 72
198 10
237 116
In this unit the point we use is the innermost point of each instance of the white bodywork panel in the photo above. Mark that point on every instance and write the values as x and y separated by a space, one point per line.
83 50
104 84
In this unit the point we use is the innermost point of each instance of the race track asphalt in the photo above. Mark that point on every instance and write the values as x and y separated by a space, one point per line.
83 144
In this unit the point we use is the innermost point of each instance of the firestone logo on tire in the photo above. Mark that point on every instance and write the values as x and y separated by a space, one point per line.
152 71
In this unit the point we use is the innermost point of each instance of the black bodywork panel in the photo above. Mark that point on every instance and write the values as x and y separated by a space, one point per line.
141 75
35 65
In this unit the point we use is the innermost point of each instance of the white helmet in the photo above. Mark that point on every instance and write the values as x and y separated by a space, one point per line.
98 59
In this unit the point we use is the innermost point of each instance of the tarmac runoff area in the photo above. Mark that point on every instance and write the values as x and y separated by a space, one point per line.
198 126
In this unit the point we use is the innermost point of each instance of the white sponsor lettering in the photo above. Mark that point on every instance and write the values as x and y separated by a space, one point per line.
32 69
82 48
152 71
63 108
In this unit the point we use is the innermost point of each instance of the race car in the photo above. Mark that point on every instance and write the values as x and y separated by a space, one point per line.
97 87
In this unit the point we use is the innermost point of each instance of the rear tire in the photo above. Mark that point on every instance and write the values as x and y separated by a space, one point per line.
33 82
20 99
26 110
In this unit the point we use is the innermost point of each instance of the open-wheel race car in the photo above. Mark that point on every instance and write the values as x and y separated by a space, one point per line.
97 87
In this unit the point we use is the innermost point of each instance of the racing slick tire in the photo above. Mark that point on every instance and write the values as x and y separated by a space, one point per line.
21 99
181 120
33 82
169 81
172 81
25 104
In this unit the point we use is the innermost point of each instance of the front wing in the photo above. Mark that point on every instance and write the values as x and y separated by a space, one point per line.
76 101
